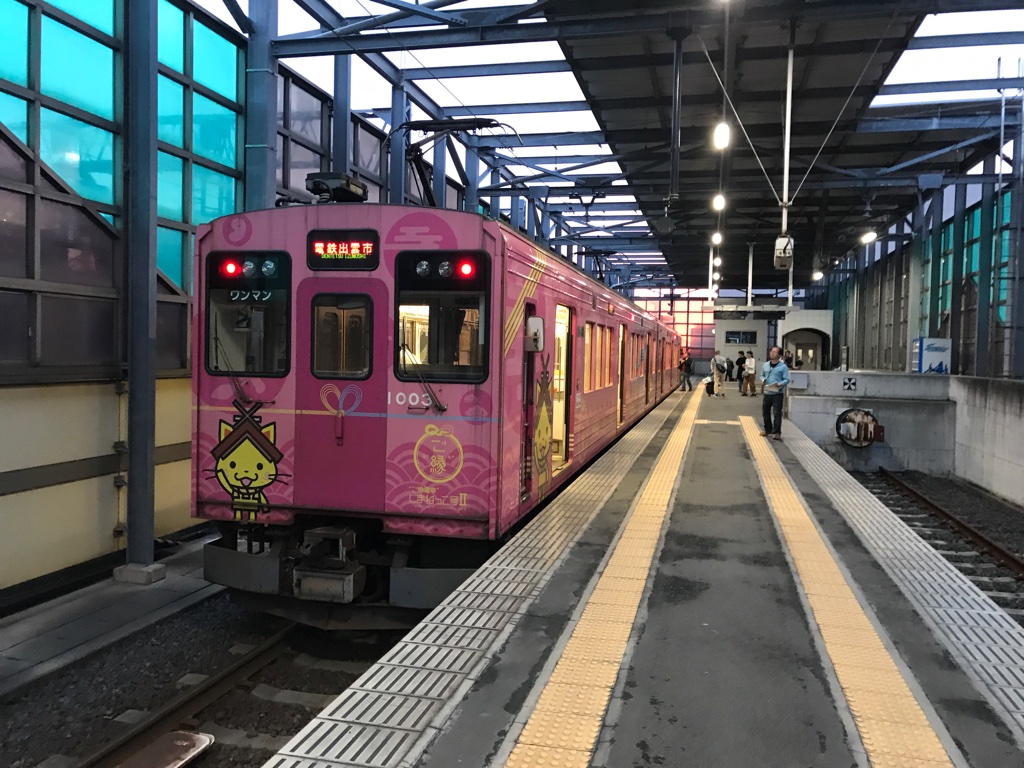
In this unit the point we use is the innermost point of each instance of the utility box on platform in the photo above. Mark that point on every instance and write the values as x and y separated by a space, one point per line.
930 355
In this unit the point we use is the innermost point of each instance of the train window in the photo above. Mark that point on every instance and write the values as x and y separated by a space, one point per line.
441 324
247 313
342 334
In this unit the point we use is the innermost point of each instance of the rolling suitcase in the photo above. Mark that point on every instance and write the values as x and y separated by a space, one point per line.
710 388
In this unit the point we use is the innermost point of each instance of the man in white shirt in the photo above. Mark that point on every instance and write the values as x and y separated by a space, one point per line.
749 373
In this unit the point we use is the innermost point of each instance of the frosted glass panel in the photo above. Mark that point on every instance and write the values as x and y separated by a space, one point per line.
170 31
95 13
76 69
214 61
213 194
14 41
213 130
81 154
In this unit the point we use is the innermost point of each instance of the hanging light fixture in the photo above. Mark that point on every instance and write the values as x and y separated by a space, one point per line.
716 276
718 261
868 237
818 274
717 238
722 135
718 202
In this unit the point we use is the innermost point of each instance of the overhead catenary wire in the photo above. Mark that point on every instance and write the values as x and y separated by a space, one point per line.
738 120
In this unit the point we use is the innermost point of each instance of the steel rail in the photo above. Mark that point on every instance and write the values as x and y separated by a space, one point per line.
987 545
170 716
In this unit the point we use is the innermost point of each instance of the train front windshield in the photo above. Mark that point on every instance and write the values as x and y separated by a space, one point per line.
248 305
442 305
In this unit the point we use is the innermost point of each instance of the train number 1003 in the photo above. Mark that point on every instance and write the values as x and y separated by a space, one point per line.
413 399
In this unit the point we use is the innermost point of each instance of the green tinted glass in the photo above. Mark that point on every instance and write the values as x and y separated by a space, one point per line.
13 114
170 32
95 13
170 111
169 186
214 61
213 130
213 194
81 154
14 41
89 82
168 254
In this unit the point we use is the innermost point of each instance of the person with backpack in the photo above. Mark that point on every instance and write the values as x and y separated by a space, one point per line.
718 371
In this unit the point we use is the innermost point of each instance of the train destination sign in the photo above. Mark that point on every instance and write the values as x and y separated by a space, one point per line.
343 249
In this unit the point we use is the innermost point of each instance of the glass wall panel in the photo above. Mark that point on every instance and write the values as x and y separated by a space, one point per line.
14 114
12 164
13 235
279 158
14 41
82 154
77 69
300 162
213 130
168 254
170 26
213 194
73 248
214 61
95 13
171 333
305 114
78 331
15 341
170 111
169 172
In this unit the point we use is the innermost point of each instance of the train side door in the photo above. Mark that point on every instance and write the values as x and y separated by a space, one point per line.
342 376
622 371
529 413
561 399
647 369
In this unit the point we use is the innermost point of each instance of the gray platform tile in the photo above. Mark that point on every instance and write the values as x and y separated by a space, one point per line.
936 596
283 761
456 637
481 601
1003 676
993 654
516 560
503 575
1012 699
994 618
387 710
438 657
464 617
426 683
983 635
499 587
359 745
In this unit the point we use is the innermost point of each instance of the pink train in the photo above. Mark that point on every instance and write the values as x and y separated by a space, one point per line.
381 393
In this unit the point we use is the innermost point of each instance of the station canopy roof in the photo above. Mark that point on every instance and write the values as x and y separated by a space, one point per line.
853 166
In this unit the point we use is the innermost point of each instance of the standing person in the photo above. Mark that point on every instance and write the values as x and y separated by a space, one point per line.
682 386
749 373
728 369
688 370
787 358
774 379
741 361
718 369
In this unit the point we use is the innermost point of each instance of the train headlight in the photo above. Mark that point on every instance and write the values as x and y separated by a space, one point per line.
248 268
423 268
269 267
444 269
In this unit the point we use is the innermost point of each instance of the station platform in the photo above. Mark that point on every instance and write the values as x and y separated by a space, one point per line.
700 596
46 638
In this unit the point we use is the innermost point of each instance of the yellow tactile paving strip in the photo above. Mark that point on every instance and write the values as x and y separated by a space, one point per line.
563 728
893 728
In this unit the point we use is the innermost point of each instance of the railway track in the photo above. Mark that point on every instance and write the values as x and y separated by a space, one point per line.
146 745
993 568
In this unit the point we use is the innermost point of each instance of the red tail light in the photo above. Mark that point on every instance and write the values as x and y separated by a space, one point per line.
465 268
231 269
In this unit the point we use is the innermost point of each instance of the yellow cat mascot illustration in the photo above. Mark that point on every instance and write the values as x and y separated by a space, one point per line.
247 460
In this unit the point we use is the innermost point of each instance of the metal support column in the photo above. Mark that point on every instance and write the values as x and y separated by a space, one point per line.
914 279
472 203
514 218
750 274
935 267
140 124
399 140
495 199
983 335
439 180
956 298
1015 317
341 128
896 335
261 109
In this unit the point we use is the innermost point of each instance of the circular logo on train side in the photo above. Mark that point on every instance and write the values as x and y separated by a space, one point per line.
237 230
438 454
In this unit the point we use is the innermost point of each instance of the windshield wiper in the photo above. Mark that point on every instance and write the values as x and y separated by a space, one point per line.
436 404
